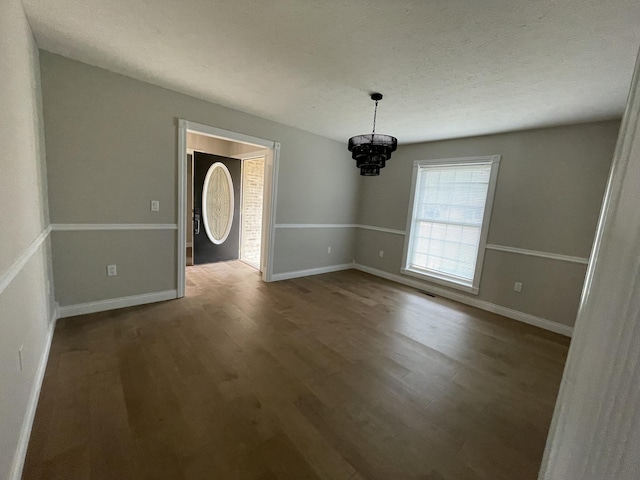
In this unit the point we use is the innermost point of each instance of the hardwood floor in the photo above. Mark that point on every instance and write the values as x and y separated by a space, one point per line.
336 376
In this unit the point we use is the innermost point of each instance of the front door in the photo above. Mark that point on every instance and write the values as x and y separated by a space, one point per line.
216 208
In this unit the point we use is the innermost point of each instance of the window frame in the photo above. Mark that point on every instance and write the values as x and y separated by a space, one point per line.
443 279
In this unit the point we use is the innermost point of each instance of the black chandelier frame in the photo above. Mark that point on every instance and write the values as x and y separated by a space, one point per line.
371 151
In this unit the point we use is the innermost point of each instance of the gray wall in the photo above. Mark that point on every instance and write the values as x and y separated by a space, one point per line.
112 147
315 242
550 188
25 303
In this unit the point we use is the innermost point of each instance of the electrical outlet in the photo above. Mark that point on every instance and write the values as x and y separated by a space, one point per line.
20 357
329 250
381 253
517 287
112 271
155 205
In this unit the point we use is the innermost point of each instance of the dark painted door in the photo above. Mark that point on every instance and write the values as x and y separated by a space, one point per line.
216 208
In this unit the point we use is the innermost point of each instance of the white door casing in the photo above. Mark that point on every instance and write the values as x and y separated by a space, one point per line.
272 159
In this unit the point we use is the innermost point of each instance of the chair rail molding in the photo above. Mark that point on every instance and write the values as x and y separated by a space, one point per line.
536 253
8 275
340 225
79 227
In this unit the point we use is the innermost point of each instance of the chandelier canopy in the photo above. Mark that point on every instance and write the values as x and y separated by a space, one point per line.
372 150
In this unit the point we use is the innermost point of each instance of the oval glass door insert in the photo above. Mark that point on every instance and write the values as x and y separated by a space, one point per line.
217 203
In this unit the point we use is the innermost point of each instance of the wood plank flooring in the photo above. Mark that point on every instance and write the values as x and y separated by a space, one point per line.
338 376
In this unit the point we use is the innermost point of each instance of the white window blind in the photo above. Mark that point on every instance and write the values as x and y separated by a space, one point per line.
446 224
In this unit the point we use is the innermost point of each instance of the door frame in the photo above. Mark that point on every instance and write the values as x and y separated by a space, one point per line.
272 159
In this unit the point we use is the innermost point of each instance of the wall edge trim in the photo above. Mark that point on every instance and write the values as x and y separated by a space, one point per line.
20 454
340 225
481 304
78 227
382 229
16 267
537 253
115 303
316 225
311 271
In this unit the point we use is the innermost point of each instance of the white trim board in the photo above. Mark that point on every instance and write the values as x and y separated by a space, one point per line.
181 252
78 227
16 267
340 225
474 302
215 132
382 229
535 253
316 225
312 271
269 203
27 423
114 303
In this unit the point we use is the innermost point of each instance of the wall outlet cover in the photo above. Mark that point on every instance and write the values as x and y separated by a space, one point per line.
112 270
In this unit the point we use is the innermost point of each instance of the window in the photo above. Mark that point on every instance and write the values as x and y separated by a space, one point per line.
217 203
448 220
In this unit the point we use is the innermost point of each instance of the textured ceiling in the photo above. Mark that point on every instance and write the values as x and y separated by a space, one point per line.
447 68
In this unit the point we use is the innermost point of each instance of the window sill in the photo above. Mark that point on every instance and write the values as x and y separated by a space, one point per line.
440 281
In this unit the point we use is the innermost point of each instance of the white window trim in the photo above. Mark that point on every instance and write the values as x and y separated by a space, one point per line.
442 279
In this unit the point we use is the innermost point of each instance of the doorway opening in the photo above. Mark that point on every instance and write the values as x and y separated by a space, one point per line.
238 203
227 184
251 212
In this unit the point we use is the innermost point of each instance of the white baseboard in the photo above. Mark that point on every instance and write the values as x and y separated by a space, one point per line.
474 302
312 271
114 303
27 423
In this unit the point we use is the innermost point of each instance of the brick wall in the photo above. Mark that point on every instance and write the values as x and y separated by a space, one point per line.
252 187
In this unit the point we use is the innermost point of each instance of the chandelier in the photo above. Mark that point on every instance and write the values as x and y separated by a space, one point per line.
371 151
